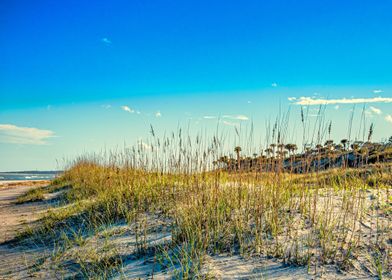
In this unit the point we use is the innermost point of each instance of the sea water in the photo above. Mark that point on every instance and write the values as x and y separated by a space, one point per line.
28 175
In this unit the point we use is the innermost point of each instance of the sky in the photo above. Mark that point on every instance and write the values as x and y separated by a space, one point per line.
82 76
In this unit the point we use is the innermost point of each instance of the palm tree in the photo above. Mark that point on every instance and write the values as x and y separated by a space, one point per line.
294 149
237 150
364 152
269 152
355 148
288 147
291 148
273 146
319 147
328 144
261 160
344 142
377 148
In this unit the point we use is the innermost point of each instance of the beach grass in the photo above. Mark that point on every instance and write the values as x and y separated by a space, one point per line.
338 217
334 217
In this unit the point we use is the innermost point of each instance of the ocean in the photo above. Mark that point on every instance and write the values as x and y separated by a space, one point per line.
28 175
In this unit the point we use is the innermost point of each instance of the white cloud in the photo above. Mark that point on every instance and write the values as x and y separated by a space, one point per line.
236 117
127 109
231 117
274 85
229 123
158 114
337 107
10 133
378 91
388 118
375 110
106 41
144 145
291 98
314 101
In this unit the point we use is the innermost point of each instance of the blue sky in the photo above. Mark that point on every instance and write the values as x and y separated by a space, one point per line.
70 69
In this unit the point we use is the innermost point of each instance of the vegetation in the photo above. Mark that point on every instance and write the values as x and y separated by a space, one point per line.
282 205
31 196
319 157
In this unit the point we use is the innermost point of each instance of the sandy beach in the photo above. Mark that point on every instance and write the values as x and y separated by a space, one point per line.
23 183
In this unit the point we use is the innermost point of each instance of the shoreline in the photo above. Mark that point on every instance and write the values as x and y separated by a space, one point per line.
20 183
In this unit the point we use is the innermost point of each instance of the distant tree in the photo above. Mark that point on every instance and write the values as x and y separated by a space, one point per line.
224 160
328 143
273 146
344 142
295 148
319 147
364 153
355 147
269 152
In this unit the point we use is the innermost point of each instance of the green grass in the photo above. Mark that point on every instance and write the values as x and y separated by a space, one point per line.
32 196
310 219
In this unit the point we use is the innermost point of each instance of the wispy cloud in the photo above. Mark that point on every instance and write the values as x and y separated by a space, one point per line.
10 133
106 41
292 98
236 117
230 117
375 110
127 109
314 101
337 107
143 145
229 123
158 114
274 85
388 118
378 91
106 106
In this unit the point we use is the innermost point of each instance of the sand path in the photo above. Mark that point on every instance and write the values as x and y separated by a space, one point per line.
13 219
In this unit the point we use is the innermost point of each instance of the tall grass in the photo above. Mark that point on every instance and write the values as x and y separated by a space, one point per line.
337 216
